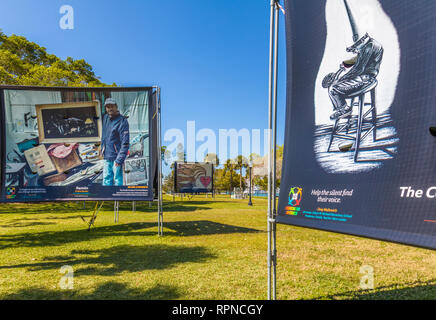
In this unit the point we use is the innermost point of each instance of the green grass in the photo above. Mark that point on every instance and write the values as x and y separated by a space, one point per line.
212 249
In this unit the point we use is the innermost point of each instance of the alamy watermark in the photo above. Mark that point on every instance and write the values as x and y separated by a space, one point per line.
66 22
367 279
67 280
227 144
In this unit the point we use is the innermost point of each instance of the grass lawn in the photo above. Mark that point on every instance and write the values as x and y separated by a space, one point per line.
212 249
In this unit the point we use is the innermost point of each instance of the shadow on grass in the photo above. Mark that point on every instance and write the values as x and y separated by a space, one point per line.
115 260
41 208
75 207
68 217
178 228
109 290
29 222
25 224
144 206
418 290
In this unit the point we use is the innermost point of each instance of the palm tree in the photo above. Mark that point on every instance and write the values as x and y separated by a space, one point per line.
228 167
241 163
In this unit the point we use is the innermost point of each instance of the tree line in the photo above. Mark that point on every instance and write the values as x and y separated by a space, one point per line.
23 62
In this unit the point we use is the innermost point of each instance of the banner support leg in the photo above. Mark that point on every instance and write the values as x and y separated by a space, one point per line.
116 211
272 148
159 165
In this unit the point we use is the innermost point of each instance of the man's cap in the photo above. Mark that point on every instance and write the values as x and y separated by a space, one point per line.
109 101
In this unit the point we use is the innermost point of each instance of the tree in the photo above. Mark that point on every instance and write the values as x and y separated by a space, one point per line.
168 183
229 168
23 62
261 182
212 158
222 179
164 154
241 163
180 153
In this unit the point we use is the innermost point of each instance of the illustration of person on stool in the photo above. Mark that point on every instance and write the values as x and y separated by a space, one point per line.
361 78
364 70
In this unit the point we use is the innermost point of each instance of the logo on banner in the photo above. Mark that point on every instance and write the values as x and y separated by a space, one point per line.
11 192
295 195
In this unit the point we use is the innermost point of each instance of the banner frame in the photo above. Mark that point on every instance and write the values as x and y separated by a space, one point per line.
150 89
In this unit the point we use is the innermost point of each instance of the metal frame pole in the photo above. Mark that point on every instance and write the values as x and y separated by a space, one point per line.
116 211
272 142
274 211
270 80
250 203
159 164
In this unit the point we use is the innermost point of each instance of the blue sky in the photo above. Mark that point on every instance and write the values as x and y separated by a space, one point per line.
210 57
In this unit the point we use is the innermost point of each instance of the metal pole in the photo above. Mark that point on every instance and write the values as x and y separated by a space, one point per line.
270 80
116 211
274 211
134 206
231 180
159 145
249 201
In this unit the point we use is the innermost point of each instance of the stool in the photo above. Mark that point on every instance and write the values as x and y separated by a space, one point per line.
363 122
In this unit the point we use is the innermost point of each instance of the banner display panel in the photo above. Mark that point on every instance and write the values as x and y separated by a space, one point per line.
193 177
76 144
359 153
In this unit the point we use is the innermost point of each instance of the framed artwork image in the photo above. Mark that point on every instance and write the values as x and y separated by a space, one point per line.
69 122
135 170
39 160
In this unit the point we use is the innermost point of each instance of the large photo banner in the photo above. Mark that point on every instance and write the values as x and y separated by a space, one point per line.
361 85
76 143
193 177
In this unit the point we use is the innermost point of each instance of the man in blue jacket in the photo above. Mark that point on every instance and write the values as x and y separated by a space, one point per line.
114 143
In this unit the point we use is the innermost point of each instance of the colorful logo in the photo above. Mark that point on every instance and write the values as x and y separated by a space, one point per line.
295 195
11 192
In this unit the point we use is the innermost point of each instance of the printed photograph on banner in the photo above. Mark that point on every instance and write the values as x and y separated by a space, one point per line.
191 177
355 88
67 143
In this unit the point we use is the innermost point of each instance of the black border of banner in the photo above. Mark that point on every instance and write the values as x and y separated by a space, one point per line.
371 232
2 145
77 89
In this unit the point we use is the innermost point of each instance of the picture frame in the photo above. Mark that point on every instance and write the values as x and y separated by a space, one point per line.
39 161
69 122
135 171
